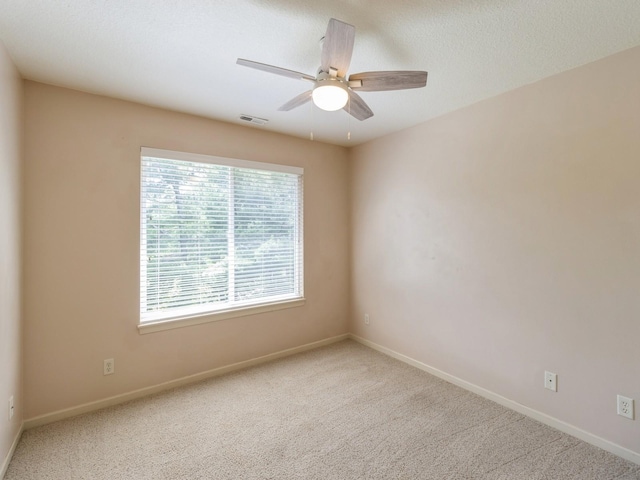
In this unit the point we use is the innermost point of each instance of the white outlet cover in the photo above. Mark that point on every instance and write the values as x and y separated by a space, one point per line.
366 319
11 407
625 407
109 366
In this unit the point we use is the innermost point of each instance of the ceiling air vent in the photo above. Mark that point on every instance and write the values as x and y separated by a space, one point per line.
252 119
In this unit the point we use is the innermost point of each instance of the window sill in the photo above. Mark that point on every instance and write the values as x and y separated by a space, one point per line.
179 322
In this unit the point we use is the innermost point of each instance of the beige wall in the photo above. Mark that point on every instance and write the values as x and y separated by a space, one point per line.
10 192
503 240
82 248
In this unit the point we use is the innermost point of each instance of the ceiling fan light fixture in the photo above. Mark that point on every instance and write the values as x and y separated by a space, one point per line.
331 96
333 89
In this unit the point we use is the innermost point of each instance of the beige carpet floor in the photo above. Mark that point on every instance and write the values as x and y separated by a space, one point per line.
339 412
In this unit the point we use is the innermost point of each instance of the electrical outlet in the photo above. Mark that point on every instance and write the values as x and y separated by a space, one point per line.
551 381
109 366
366 319
11 409
625 407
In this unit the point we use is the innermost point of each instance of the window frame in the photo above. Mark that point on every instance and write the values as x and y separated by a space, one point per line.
203 315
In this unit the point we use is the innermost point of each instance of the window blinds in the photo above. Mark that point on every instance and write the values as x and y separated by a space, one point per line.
215 236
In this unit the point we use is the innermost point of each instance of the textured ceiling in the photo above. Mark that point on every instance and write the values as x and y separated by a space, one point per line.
180 54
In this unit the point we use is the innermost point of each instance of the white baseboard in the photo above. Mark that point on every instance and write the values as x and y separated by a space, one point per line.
125 397
143 392
7 459
529 412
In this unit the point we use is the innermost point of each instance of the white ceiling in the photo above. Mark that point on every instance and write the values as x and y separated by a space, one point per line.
180 54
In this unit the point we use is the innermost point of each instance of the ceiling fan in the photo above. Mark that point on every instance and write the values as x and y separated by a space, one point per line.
332 90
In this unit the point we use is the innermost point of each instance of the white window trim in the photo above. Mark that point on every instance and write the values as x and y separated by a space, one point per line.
207 316
186 321
231 162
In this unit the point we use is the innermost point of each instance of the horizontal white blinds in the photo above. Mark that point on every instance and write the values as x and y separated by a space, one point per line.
216 237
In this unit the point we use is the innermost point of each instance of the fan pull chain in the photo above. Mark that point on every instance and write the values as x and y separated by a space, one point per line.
312 122
349 121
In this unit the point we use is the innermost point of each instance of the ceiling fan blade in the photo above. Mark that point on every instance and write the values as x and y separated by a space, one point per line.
337 47
277 70
379 81
357 108
296 102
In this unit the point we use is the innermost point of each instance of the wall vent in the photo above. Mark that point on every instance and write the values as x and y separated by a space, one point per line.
252 119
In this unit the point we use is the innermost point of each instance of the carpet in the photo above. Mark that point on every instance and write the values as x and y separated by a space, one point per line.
339 412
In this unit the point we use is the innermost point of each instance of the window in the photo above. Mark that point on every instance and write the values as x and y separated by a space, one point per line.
217 235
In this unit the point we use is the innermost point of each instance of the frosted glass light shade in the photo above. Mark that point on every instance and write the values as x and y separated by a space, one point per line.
330 97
